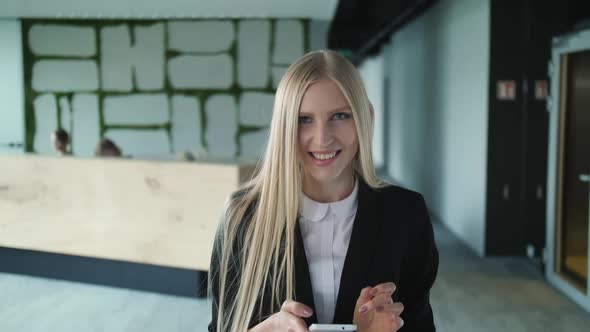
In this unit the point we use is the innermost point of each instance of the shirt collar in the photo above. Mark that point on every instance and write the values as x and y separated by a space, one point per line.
315 211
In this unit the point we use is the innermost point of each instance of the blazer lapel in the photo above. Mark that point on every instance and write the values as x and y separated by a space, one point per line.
358 256
303 290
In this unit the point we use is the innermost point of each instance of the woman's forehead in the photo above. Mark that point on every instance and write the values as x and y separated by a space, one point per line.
323 96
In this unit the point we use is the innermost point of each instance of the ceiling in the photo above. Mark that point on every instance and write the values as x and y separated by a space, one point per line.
361 27
144 9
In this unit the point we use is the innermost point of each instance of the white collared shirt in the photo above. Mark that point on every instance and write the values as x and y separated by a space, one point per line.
326 229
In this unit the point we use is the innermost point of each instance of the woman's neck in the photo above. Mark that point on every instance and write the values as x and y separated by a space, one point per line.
328 192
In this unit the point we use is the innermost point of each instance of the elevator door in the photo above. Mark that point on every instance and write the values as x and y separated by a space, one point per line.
575 178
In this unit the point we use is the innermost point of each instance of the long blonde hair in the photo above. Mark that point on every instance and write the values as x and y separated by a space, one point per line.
266 253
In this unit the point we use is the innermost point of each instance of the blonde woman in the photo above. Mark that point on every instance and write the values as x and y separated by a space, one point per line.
316 237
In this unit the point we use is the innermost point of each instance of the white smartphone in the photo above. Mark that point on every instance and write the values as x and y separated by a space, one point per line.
332 327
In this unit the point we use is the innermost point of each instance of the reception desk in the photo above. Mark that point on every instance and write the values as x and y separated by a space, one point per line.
153 214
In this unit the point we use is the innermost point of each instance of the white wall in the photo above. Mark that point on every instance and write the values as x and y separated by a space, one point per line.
78 73
439 68
318 34
373 72
12 117
98 62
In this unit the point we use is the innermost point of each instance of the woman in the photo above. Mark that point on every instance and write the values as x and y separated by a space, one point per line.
315 236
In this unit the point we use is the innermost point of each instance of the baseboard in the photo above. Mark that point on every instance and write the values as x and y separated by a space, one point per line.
145 277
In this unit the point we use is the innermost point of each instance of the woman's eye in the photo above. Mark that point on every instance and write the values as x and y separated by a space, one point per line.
341 116
304 119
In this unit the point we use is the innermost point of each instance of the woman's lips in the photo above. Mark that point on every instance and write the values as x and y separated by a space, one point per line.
325 162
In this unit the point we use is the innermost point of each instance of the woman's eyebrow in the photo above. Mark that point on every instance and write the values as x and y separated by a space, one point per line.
343 108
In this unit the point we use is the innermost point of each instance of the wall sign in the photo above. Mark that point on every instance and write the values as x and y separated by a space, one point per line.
506 90
541 91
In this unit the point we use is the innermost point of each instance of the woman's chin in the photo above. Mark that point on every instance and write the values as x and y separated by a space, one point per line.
325 175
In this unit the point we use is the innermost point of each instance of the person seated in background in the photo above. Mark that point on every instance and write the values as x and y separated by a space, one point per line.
186 156
60 141
107 148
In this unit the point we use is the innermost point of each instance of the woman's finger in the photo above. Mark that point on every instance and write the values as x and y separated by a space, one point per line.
365 296
292 323
296 308
388 288
398 323
286 321
378 300
394 308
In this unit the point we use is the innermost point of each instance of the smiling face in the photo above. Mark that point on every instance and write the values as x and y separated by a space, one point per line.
327 136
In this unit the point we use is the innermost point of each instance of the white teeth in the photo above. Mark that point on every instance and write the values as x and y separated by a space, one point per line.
324 156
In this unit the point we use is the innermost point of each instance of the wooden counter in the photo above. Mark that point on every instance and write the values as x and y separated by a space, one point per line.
149 212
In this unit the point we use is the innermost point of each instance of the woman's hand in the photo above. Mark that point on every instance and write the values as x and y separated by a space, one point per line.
290 319
375 310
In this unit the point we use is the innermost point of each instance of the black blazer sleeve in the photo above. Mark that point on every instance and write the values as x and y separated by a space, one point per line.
419 272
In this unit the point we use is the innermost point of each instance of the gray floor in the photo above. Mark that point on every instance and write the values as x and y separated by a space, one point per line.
471 294
497 294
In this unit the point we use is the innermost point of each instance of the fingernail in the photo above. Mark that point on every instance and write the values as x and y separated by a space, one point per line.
363 309
307 312
401 322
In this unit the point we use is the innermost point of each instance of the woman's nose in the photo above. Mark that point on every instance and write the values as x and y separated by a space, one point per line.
322 136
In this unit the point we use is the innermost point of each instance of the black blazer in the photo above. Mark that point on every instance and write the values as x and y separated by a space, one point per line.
392 241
